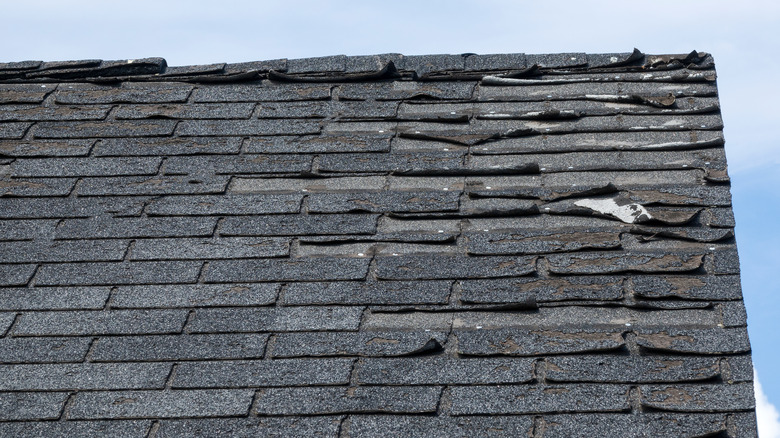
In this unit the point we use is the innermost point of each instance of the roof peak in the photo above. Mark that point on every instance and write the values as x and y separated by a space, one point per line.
342 68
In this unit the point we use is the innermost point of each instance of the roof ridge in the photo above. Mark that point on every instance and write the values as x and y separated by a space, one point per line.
342 68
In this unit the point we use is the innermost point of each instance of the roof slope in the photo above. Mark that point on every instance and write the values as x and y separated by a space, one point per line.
498 245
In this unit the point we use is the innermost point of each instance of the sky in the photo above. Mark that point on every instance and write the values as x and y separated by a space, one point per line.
738 34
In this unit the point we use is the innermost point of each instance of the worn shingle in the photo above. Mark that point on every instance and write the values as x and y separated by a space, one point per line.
383 245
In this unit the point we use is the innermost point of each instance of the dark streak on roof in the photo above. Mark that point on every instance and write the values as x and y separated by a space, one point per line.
445 245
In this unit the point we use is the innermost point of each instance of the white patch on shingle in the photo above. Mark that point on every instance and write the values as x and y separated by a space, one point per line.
627 213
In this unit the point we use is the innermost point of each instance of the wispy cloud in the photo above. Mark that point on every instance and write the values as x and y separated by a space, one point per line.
766 412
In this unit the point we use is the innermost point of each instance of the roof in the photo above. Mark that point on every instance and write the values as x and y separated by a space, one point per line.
447 245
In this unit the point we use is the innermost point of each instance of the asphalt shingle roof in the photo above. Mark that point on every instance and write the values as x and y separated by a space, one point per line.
440 246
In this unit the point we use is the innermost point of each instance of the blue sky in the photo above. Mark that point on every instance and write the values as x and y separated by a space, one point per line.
739 35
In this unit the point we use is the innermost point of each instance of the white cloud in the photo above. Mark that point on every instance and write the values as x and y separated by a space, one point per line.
766 412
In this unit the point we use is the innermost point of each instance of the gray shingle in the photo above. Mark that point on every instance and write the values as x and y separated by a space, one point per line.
375 343
238 164
533 399
55 113
419 267
509 61
279 185
195 295
522 289
183 111
318 144
75 274
696 341
16 275
404 90
734 314
37 350
332 400
63 167
259 93
222 248
58 208
112 322
581 90
24 93
352 293
376 426
336 63
605 141
631 369
540 241
179 347
439 370
163 146
291 225
188 128
6 320
277 427
153 185
13 130
101 129
19 406
225 205
514 342
161 404
699 398
57 377
607 263
721 287
246 320
304 269
631 425
46 148
62 251
393 162
79 429
32 187
380 202
328 109
131 227
127 92
265 373
53 298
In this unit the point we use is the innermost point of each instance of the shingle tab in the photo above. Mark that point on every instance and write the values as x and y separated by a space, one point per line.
57 377
179 347
19 406
532 399
332 400
118 273
195 295
125 428
699 398
39 350
369 344
277 427
53 298
352 293
444 371
248 320
281 372
222 271
376 426
157 404
223 248
112 322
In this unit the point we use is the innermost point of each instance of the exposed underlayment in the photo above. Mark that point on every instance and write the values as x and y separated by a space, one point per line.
437 246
